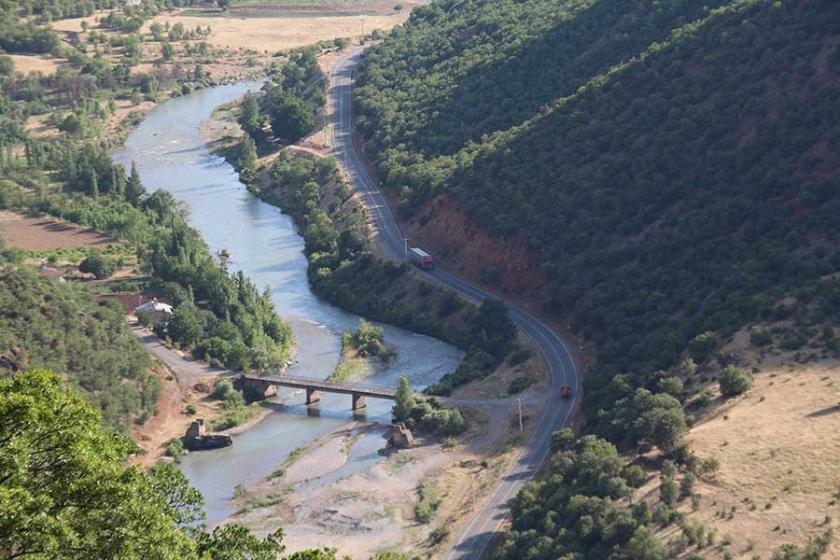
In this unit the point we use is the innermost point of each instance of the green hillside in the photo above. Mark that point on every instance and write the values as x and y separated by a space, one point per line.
676 163
44 324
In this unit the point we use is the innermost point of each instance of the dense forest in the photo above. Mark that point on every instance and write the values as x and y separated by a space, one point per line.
673 161
59 326
676 166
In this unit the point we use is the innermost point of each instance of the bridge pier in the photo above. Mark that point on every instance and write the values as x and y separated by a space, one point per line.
312 395
256 389
359 401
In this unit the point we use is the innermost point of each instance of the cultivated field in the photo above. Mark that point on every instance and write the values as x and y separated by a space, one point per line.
40 234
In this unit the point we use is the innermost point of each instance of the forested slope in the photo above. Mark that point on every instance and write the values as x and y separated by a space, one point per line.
676 164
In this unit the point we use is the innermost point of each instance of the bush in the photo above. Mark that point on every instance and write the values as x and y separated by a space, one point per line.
97 265
175 448
734 381
668 492
225 391
760 336
702 345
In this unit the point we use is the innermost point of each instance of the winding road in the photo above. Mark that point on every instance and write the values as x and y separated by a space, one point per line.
479 532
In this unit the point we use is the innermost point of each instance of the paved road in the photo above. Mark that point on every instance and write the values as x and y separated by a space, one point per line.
477 535
187 370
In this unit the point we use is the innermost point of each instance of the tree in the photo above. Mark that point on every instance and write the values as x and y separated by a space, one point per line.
455 423
498 330
223 4
67 492
167 51
186 325
134 186
404 401
644 545
250 118
668 491
97 265
235 542
291 117
247 161
734 381
702 345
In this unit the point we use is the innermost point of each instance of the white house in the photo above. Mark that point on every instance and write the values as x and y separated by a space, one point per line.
160 312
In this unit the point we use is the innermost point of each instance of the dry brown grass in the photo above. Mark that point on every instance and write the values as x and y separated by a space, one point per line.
45 64
273 34
40 234
75 24
778 450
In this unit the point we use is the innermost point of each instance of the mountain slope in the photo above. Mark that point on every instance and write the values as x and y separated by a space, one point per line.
685 188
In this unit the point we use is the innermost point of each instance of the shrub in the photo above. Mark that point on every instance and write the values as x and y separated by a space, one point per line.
702 345
687 484
668 491
760 336
734 381
175 448
97 265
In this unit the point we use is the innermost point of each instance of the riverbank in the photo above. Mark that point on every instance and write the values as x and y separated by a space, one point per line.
410 501
414 499
186 395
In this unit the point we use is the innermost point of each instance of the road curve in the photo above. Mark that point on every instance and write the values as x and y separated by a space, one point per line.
479 532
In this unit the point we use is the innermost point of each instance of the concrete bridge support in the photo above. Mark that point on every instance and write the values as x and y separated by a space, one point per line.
312 396
256 390
359 401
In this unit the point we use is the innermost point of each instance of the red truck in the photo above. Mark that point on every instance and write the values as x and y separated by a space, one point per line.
421 258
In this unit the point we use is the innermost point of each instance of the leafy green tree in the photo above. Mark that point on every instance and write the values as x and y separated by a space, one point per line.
404 402
702 345
498 330
247 160
668 492
291 118
186 326
66 491
98 265
734 381
235 542
167 51
644 545
250 118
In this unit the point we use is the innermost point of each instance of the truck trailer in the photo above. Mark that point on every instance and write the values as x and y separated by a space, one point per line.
421 258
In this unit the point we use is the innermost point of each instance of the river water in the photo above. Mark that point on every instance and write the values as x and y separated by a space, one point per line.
170 153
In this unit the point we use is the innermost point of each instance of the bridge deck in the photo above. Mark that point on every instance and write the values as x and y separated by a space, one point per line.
326 386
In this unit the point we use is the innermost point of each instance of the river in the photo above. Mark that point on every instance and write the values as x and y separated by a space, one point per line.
170 153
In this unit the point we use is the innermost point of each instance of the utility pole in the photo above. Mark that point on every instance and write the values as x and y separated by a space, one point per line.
405 249
521 428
